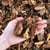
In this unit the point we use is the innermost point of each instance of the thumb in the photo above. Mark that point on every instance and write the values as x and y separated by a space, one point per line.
16 40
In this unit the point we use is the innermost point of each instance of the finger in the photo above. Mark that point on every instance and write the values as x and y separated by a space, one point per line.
15 21
41 22
39 31
39 18
16 40
11 26
19 18
42 26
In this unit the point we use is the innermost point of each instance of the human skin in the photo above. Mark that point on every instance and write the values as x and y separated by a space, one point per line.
8 38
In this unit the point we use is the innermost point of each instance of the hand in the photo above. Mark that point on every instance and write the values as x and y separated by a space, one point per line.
9 32
41 24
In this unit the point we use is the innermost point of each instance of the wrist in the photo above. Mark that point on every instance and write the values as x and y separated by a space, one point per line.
4 44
